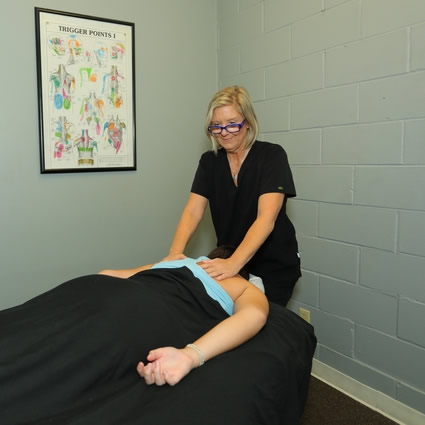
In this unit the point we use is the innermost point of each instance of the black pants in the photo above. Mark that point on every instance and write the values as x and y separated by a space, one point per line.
279 291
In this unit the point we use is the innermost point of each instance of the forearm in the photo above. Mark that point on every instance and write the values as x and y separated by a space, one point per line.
269 206
125 273
185 229
254 238
220 269
188 223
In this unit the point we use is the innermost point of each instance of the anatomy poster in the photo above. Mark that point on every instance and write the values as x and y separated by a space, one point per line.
86 92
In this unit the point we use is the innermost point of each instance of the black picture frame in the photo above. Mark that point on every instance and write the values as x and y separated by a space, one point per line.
86 92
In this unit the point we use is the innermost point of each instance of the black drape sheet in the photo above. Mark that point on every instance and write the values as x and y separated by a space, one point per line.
69 356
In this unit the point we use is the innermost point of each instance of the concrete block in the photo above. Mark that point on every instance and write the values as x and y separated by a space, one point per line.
378 311
363 144
358 371
295 76
333 332
269 49
227 16
384 353
250 23
273 115
324 183
302 146
411 237
393 274
411 397
228 61
253 81
417 47
306 289
327 107
330 28
279 13
392 187
414 142
245 4
367 59
343 223
236 27
411 321
392 98
329 258
333 3
379 16
303 215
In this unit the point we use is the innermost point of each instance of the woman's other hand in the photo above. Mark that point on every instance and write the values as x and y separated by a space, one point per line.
174 257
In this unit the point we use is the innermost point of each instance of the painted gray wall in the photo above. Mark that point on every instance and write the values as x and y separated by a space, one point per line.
340 85
55 227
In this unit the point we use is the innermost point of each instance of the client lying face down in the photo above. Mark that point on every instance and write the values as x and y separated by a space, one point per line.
246 305
91 336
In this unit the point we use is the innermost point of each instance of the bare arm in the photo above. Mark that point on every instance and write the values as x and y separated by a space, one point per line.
189 221
269 205
250 314
125 273
169 365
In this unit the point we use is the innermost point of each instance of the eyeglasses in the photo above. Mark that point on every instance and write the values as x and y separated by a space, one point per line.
230 128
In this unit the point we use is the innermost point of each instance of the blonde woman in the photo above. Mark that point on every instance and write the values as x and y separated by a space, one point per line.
246 183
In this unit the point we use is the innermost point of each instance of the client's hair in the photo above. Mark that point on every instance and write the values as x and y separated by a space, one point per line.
226 251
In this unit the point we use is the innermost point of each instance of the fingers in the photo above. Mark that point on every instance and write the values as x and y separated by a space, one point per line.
159 377
216 274
216 269
210 266
154 355
174 257
152 373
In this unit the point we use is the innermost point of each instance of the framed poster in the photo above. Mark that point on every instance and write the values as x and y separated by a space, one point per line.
86 92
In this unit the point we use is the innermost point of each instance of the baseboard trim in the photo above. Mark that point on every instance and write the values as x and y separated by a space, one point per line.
380 402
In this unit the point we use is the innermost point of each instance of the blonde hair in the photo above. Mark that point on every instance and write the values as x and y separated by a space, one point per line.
241 100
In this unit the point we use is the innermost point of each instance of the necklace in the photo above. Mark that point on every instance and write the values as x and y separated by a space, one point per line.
235 175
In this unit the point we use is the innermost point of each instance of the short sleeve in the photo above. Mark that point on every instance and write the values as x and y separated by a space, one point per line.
201 182
276 175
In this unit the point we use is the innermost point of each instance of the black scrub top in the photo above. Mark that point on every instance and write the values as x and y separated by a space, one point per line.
234 208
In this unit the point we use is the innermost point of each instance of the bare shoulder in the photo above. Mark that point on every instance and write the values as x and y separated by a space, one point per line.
234 286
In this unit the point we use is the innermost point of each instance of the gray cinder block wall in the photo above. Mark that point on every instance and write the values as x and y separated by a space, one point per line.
340 84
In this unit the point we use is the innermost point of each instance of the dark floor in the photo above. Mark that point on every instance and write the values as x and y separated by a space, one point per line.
328 406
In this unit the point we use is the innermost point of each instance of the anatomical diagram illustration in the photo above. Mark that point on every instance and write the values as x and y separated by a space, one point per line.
114 132
85 145
86 96
111 86
91 111
63 143
63 84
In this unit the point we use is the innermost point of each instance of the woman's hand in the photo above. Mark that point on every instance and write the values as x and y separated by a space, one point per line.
167 365
219 268
174 257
